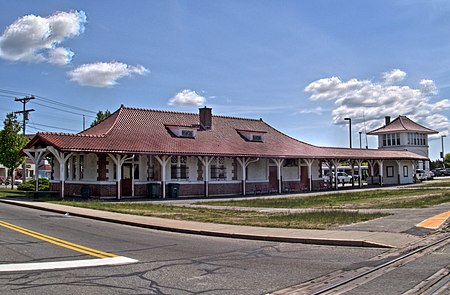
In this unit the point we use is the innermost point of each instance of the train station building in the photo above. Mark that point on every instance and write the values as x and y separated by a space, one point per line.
140 152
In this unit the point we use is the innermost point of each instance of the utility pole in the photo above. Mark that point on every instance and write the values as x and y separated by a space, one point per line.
349 129
24 113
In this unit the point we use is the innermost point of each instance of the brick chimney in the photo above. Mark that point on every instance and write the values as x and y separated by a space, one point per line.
205 118
387 120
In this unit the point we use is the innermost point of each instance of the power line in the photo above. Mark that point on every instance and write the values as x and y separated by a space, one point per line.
62 110
51 104
15 92
54 127
7 96
64 104
38 129
45 99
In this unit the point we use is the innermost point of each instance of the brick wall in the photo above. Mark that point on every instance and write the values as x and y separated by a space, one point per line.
225 189
190 190
140 190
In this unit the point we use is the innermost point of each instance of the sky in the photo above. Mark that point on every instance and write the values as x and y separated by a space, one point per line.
301 66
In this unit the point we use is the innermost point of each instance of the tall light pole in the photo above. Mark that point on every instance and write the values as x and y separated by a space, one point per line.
442 153
360 141
349 129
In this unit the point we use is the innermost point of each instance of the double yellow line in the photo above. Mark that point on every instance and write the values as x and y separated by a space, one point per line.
59 242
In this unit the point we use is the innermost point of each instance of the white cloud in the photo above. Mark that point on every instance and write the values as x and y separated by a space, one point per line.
60 56
187 97
103 74
35 38
373 101
393 76
317 111
428 87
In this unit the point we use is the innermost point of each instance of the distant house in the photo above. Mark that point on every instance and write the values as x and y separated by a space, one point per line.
137 152
405 134
6 174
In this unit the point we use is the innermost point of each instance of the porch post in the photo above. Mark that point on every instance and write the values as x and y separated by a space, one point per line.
244 162
279 162
62 159
206 161
335 164
359 162
353 172
380 164
372 168
398 166
119 160
163 160
36 156
132 177
309 162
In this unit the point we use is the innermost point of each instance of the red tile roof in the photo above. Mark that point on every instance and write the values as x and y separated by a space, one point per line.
133 130
402 123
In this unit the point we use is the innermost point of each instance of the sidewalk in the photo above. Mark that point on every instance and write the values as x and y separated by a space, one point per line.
347 237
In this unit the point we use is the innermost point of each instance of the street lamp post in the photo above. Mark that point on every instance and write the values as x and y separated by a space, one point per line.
360 141
442 152
349 129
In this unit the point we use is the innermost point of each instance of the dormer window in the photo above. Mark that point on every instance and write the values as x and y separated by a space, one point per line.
187 133
257 137
250 135
182 131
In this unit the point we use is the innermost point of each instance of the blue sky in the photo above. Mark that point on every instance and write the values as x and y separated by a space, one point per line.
302 66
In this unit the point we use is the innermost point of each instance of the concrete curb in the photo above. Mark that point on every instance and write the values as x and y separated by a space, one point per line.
227 231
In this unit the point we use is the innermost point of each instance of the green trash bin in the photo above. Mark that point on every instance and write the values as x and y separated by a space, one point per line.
174 189
153 190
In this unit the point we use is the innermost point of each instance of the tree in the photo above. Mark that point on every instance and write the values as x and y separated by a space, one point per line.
11 142
436 164
100 117
447 160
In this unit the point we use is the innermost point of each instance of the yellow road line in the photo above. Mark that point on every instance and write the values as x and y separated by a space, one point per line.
56 241
436 221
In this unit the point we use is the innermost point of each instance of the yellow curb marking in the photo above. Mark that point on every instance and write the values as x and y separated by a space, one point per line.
59 242
435 222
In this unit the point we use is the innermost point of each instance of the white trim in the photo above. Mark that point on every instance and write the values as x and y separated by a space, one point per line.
14 267
87 182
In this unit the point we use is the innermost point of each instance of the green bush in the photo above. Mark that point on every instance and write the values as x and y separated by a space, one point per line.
44 185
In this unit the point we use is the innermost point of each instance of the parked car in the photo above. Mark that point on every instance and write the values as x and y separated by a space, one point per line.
430 175
421 174
341 176
7 181
438 172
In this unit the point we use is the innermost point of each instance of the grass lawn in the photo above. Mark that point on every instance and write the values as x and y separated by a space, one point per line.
7 192
440 183
314 220
370 199
415 197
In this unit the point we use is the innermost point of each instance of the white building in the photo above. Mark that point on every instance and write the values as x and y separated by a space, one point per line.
405 134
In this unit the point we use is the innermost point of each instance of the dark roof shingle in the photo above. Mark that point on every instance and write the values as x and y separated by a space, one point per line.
133 130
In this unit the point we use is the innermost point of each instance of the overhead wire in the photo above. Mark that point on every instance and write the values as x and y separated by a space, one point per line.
11 93
49 126
51 104
62 110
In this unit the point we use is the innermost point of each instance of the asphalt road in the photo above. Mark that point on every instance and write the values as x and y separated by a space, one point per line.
168 263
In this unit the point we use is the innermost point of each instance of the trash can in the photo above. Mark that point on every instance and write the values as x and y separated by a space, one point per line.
153 190
174 188
85 191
